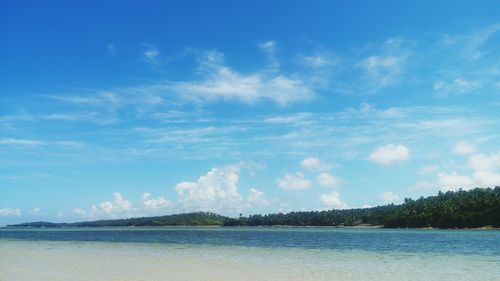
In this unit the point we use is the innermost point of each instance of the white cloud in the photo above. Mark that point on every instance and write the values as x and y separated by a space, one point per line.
485 173
119 206
155 203
388 197
106 207
6 212
487 178
313 163
332 200
293 182
484 162
327 180
463 148
390 153
256 198
215 191
79 212
120 202
427 170
36 211
454 181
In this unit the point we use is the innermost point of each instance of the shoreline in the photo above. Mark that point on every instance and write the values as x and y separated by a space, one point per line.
361 226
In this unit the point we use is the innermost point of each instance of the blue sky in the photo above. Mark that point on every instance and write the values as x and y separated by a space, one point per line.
125 108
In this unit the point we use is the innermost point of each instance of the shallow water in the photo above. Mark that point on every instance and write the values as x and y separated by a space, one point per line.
468 242
248 254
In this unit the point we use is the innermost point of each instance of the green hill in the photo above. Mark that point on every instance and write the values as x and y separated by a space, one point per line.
461 209
189 219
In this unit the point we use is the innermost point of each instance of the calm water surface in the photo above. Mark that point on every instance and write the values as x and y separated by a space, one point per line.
463 242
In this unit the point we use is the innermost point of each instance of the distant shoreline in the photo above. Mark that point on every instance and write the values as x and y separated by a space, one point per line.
247 226
478 208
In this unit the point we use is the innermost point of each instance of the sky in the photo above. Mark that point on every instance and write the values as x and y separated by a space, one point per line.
113 109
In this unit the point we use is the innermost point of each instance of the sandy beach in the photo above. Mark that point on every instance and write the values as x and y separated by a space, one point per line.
45 260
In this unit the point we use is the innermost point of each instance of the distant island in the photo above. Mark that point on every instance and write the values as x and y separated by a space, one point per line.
479 207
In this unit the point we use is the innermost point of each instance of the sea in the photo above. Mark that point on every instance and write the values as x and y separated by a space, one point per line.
249 253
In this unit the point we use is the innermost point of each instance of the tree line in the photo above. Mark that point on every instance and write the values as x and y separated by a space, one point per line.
452 209
474 208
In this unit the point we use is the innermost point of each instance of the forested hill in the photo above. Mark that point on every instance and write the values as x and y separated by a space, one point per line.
461 209
189 219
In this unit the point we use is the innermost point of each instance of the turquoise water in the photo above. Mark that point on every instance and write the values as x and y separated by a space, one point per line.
188 253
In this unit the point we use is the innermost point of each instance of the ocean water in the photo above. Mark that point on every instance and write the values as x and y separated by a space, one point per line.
187 253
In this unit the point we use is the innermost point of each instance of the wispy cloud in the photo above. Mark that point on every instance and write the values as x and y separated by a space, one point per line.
427 170
217 82
29 177
384 64
151 54
20 142
319 60
111 49
472 45
28 142
456 87
382 70
107 99
223 83
270 47
81 116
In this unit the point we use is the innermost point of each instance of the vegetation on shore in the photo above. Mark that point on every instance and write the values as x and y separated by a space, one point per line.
475 208
461 209
189 219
